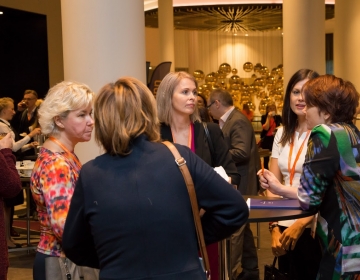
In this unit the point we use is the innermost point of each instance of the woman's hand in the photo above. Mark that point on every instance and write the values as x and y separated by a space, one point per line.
6 142
35 131
34 144
269 181
276 245
291 235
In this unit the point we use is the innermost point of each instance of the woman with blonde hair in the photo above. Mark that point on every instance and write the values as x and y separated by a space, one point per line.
150 233
181 123
66 117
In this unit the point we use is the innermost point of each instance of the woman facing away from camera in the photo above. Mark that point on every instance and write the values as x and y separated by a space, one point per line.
10 186
130 214
19 145
298 252
180 123
65 116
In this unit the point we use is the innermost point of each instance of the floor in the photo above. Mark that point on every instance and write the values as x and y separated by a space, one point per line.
21 262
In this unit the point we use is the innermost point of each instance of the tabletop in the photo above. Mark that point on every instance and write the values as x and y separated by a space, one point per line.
271 215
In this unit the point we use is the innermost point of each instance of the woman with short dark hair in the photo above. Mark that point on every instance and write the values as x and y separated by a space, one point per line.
330 181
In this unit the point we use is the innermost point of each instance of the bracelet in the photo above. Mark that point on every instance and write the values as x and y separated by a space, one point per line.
272 226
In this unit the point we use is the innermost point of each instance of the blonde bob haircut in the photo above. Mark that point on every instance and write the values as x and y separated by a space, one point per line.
123 111
60 100
165 93
5 102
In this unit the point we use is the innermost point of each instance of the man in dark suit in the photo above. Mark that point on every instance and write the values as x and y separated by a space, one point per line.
26 112
240 137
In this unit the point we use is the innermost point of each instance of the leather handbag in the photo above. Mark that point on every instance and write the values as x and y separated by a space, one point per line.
180 161
58 268
272 273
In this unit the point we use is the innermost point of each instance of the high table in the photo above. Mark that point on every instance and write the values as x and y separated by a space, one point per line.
271 214
262 215
26 186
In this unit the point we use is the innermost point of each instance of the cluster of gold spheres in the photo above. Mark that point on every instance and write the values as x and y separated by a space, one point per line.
266 85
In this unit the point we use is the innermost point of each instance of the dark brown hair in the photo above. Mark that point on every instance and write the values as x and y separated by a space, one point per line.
289 118
332 95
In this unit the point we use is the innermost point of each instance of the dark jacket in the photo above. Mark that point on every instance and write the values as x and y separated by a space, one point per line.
221 156
131 215
240 137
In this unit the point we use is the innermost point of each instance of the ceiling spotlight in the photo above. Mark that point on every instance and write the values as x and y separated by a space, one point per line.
1 13
246 34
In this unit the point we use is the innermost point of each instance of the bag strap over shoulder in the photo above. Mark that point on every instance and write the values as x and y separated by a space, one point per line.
180 161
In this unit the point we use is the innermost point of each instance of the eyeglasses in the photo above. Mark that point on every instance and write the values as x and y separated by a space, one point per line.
28 99
208 106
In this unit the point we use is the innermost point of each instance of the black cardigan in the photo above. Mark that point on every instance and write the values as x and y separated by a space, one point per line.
222 156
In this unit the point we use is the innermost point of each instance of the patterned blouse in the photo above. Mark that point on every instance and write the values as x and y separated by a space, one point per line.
52 185
331 182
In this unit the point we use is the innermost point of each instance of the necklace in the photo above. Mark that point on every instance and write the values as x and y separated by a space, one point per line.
71 155
292 169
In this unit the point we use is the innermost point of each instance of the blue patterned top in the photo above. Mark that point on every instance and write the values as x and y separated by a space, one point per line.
331 182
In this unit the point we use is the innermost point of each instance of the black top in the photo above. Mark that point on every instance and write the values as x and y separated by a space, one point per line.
221 157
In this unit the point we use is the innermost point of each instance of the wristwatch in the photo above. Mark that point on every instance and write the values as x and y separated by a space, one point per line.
272 226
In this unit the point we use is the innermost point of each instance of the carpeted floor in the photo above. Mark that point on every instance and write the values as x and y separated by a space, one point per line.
22 224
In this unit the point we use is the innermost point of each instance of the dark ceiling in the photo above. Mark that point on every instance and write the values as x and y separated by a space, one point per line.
243 18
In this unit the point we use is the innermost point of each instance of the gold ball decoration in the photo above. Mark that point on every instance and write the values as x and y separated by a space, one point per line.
251 105
234 79
280 82
245 87
205 86
264 71
214 86
222 83
199 75
225 68
270 87
274 71
272 93
235 86
253 76
235 96
210 78
257 67
251 89
280 106
234 71
262 94
278 97
262 109
259 82
270 80
248 67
